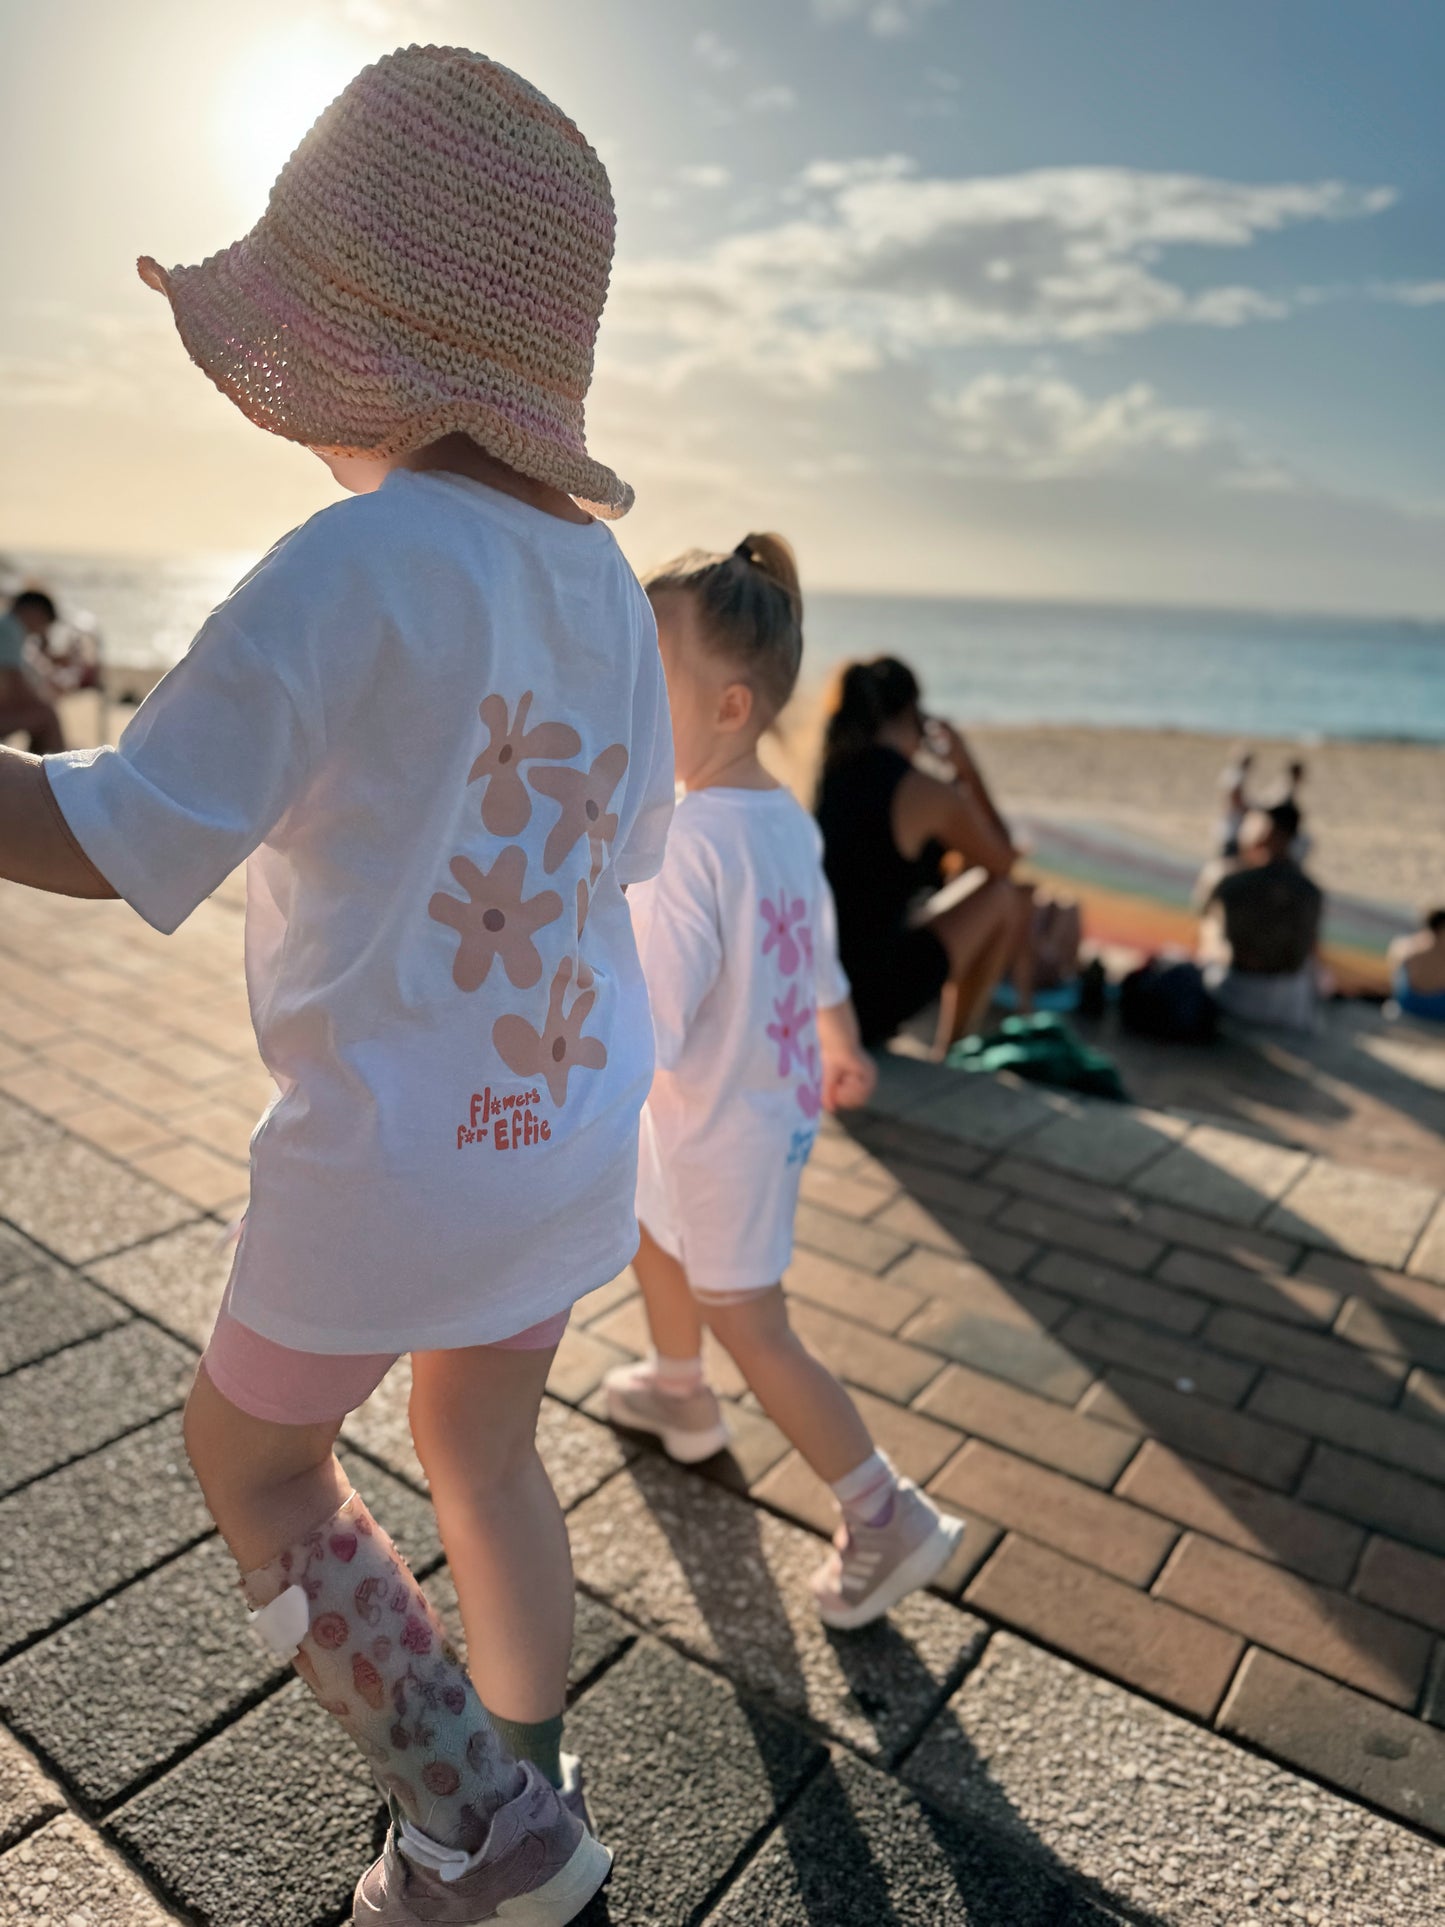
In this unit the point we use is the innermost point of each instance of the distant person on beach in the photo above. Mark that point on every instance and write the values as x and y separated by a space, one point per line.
756 1038
442 968
1234 802
1261 919
25 707
888 827
1417 969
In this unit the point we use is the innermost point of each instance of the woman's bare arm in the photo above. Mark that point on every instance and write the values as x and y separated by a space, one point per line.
928 811
36 846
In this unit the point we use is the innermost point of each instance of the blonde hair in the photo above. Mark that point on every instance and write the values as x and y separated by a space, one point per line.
751 608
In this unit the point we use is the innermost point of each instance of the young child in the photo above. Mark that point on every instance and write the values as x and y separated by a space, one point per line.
436 715
755 1038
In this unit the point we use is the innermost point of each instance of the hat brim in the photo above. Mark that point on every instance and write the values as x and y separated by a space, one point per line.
232 321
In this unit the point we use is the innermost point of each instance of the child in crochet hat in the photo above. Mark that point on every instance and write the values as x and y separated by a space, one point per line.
434 721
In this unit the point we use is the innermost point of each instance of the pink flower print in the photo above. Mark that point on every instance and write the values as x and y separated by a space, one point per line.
582 796
496 920
805 944
787 1032
559 1047
584 904
780 922
810 1093
506 806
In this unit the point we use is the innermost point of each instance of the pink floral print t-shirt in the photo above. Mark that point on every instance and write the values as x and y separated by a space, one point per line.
739 949
434 720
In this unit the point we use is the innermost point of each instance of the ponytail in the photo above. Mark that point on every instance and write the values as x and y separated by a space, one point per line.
751 607
864 696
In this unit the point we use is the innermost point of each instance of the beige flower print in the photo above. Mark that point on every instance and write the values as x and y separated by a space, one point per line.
496 920
582 796
559 1048
584 904
506 806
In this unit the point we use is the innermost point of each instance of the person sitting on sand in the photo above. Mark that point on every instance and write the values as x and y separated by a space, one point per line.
24 706
1261 926
888 827
1417 969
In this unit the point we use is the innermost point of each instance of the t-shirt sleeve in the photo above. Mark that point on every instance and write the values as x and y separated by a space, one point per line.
679 941
212 760
832 985
652 783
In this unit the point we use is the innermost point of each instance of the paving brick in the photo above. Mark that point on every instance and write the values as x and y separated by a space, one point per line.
1115 1244
1432 1704
1102 1531
615 1292
1104 1202
1405 1442
1036 1428
1316 1356
116 1128
958 1236
19 1257
1364 1214
44 1093
270 1824
1222 1174
19 1125
1294 1301
728 1583
904 1083
1366 1648
1428 1257
65 1876
969 1287
854 1195
1006 1348
755 1445
858 1850
1106 1142
872 1247
1395 1334
45 1312
1392 1291
80 1205
680 1832
1346 1738
1120 1291
1120 1341
1403 1580
582 1362
178 1280
93 1697
1164 1824
1106 1624
1410 1508
884 1302
1424 1397
1242 1514
77 1400
598 1636
625 1328
1217 1433
983 1111
195 1173
1239 1244
28 1797
835 1150
864 1357
81 1532
893 1143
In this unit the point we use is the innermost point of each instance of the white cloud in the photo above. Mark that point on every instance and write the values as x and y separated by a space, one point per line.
886 18
1411 294
713 51
706 175
884 264
776 98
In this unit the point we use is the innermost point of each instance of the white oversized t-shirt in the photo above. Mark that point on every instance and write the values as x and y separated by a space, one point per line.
437 717
739 948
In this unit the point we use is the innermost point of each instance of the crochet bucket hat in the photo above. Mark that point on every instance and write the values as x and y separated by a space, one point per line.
434 257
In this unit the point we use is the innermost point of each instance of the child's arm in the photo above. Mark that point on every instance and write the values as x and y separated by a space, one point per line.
849 1073
36 845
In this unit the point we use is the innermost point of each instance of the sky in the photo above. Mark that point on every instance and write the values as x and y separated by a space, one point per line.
1133 300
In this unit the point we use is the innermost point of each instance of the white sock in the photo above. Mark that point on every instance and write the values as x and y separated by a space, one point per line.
677 1377
866 1493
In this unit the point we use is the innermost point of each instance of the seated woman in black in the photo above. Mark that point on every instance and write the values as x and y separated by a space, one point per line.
889 832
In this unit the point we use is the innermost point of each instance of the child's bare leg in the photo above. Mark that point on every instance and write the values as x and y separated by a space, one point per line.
672 1314
474 1420
798 1392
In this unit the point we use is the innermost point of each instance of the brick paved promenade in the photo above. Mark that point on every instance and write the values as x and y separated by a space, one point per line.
1188 1386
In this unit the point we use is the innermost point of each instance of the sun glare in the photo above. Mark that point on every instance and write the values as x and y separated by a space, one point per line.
270 98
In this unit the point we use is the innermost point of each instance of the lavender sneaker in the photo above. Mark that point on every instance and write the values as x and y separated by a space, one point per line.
538 1867
691 1427
872 1567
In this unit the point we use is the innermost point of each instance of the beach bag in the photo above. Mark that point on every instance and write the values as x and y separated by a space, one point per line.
1168 1001
1044 1050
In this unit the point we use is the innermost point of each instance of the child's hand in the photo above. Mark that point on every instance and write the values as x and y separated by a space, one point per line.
849 1078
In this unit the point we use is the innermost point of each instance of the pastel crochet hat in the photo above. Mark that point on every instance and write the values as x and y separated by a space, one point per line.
434 257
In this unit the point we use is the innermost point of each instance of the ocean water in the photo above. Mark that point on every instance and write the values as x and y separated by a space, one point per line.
1233 673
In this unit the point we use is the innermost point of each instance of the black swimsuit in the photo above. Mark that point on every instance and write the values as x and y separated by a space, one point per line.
895 971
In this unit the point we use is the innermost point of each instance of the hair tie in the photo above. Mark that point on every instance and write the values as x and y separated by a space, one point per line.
744 550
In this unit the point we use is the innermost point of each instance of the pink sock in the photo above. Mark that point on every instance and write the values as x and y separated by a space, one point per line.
677 1377
866 1493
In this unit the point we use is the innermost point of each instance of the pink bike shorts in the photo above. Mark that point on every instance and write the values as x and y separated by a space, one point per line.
270 1381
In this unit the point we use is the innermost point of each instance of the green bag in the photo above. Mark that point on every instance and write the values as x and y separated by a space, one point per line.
1043 1049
